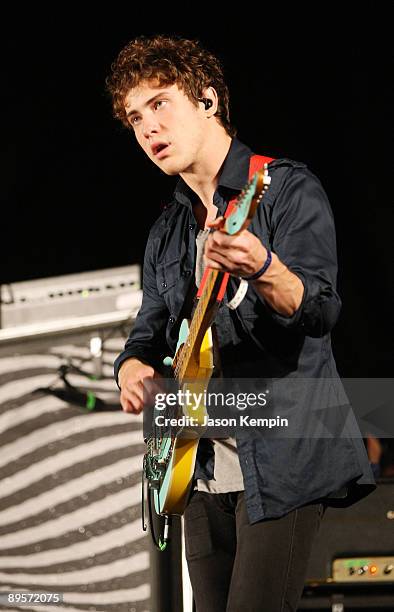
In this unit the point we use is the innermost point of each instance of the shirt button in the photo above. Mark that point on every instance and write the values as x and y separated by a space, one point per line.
172 319
164 285
191 227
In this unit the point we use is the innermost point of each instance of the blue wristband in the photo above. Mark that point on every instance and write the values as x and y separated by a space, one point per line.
262 270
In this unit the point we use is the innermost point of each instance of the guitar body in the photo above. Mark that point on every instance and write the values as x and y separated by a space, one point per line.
174 491
179 453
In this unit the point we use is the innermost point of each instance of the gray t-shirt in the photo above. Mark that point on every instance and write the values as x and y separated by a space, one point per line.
227 472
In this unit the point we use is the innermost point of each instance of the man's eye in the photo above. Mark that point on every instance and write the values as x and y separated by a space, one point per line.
159 104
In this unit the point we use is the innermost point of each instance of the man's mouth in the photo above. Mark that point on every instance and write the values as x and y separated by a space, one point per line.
158 149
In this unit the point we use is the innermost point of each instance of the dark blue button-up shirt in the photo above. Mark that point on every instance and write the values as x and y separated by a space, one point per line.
295 221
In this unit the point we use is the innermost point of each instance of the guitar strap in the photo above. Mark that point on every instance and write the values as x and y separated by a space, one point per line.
256 163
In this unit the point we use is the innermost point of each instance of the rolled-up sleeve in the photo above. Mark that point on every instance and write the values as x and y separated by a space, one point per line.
147 339
303 237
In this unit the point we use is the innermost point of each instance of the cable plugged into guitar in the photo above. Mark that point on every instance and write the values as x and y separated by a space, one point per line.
153 482
166 533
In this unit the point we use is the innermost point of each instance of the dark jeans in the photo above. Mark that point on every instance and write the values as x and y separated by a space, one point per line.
235 566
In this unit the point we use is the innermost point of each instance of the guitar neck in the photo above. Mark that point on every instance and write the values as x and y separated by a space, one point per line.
202 319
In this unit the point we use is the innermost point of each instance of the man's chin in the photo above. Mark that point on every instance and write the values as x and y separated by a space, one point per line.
171 169
171 172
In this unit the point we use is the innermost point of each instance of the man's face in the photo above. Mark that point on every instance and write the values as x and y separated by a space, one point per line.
167 125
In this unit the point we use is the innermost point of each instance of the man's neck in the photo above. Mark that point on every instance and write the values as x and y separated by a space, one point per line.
203 176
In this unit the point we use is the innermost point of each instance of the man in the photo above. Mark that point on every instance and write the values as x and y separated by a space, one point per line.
258 501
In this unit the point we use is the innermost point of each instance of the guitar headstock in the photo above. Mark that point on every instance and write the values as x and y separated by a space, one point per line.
247 202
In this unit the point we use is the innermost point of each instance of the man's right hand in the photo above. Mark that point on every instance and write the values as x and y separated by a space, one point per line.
131 378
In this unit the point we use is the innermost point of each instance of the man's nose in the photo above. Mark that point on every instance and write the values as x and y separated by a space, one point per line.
150 126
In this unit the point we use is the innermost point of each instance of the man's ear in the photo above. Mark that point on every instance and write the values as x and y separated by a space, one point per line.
210 99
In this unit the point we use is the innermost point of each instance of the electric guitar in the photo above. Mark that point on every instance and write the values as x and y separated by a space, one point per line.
170 458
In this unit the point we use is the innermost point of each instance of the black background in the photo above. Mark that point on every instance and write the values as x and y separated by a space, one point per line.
78 195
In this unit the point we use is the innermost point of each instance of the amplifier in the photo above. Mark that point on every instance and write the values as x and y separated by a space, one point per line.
371 568
356 544
70 295
352 562
71 308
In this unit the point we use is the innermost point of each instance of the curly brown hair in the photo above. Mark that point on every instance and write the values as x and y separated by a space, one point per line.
168 60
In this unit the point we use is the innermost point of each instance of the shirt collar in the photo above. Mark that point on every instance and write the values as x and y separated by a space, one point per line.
233 175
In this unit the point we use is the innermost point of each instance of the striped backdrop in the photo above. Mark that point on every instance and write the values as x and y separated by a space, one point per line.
70 487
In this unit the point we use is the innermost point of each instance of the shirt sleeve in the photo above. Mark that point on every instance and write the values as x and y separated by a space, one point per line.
303 237
147 339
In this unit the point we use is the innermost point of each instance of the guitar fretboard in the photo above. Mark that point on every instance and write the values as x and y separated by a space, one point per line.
195 327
